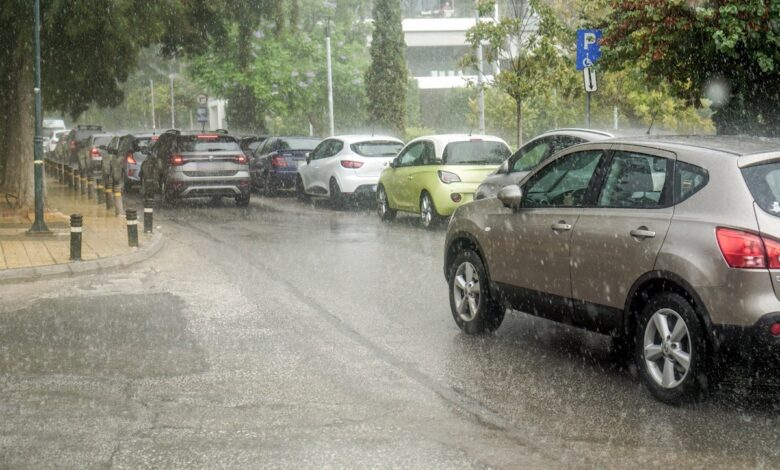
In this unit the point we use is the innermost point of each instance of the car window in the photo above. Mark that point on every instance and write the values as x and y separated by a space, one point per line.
764 184
563 182
376 148
334 147
411 154
634 180
320 150
298 143
475 152
530 155
207 143
689 179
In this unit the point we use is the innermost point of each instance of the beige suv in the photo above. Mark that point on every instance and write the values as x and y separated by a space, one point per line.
670 245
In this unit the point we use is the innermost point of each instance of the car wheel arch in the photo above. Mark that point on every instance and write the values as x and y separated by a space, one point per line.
655 282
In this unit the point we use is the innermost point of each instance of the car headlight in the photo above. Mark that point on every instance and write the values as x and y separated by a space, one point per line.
448 177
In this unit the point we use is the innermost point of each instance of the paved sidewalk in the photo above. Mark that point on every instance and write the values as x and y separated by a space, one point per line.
104 237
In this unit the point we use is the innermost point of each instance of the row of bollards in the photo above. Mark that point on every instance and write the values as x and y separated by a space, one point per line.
103 192
77 223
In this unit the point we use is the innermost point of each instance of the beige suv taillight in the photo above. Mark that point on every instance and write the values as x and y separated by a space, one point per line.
745 250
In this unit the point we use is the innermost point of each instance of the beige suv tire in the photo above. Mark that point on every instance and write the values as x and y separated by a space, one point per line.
671 350
474 309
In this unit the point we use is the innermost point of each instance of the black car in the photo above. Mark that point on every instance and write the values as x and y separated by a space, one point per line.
274 165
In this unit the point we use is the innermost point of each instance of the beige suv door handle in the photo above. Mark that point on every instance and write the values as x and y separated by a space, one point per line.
642 233
561 226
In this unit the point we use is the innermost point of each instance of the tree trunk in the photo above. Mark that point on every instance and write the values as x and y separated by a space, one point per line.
19 132
519 121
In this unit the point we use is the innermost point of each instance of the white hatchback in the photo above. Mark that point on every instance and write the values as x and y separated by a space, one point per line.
346 166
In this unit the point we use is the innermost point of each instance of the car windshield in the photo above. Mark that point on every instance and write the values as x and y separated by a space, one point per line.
298 143
207 143
475 152
376 148
102 140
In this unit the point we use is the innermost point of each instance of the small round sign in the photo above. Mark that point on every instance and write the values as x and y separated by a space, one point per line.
203 99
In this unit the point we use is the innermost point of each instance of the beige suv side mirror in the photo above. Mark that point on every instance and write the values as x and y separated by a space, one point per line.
511 196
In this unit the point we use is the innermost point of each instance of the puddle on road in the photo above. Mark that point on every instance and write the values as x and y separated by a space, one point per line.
141 336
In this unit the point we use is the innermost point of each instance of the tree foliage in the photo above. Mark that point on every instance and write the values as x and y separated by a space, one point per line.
703 49
285 74
386 78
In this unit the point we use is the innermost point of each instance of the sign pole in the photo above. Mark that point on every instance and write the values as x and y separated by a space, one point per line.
39 225
587 110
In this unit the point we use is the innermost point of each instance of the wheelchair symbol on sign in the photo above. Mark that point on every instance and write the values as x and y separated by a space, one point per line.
586 62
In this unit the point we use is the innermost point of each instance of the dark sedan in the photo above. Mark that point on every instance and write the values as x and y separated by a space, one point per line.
275 163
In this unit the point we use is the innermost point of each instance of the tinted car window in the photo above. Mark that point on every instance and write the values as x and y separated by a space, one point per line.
563 182
634 180
298 144
764 184
207 143
689 180
102 140
475 152
376 148
530 155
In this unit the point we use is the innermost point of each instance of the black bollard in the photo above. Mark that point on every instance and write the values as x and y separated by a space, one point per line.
100 192
75 236
118 199
148 215
83 183
109 195
61 172
76 180
68 178
132 227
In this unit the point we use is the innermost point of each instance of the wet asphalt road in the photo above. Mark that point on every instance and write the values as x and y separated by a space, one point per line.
286 335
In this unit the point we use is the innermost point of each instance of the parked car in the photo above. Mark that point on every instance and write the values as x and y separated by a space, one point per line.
196 164
54 139
128 153
435 174
77 139
92 153
670 245
535 152
346 166
250 143
275 163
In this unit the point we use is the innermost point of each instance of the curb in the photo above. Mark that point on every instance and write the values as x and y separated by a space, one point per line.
75 268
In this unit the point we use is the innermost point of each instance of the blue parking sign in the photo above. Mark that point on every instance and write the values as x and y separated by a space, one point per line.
588 49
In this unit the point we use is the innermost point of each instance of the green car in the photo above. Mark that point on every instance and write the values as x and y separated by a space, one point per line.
434 175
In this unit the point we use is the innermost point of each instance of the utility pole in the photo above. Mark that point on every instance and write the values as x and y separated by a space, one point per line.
330 79
480 84
39 225
151 89
173 105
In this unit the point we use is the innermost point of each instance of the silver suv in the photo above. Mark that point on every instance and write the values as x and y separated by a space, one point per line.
196 164
670 245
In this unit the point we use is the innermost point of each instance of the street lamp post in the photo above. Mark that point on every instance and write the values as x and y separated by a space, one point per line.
39 225
330 80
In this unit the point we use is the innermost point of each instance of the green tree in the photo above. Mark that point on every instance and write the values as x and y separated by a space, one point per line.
87 50
728 48
386 79
287 72
529 61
